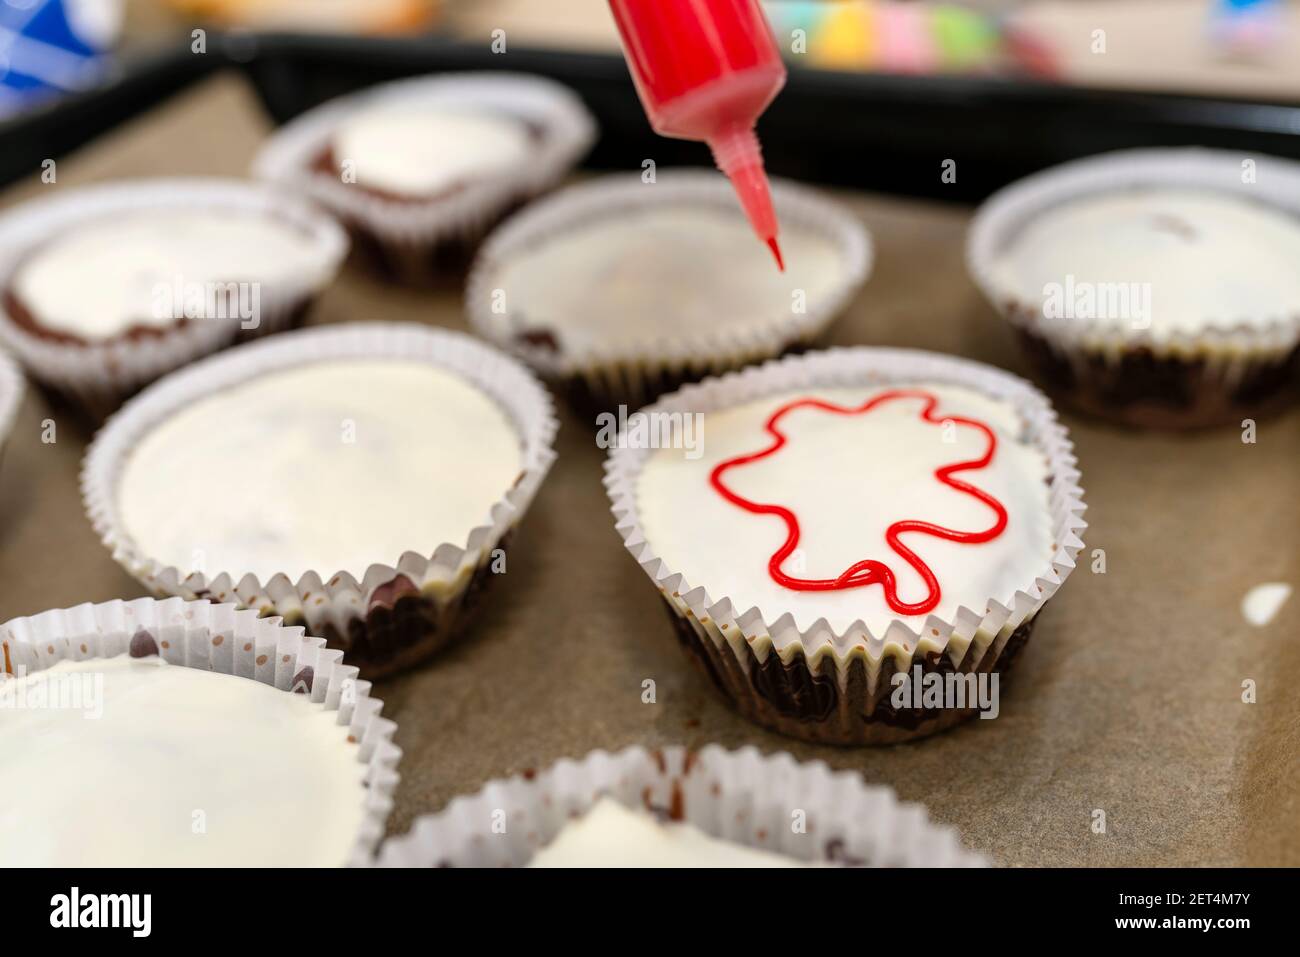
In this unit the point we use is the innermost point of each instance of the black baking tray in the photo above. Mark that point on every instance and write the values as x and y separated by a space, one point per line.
865 131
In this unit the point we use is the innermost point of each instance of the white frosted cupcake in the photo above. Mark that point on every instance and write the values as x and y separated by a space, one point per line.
664 283
362 479
419 167
678 808
105 288
823 526
212 738
1153 287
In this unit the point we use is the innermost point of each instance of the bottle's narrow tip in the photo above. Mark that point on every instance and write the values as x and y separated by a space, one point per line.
773 245
738 155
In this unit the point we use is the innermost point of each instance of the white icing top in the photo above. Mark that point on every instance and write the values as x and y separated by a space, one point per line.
416 149
663 272
107 275
1208 258
331 467
611 835
156 765
847 478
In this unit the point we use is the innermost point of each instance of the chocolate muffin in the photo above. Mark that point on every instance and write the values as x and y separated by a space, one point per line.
419 169
105 288
361 480
664 283
1155 288
836 528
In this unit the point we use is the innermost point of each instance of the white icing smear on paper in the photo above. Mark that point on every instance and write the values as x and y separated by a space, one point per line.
1263 602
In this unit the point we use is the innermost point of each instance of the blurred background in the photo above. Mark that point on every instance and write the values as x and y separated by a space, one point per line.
1241 48
878 89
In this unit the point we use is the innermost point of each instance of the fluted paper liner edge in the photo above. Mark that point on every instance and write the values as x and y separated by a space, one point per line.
741 796
12 389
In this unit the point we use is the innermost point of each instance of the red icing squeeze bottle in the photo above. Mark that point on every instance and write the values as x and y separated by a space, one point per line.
706 70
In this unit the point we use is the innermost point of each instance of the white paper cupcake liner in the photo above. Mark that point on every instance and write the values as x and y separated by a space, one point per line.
11 395
1219 360
351 606
221 638
827 685
411 226
633 374
740 796
97 376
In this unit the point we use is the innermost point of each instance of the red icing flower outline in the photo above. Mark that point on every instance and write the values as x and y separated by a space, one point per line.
869 571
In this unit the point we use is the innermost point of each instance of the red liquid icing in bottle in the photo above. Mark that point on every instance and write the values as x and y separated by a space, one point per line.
706 70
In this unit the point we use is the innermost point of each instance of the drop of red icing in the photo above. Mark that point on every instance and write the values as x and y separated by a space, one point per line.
773 245
870 571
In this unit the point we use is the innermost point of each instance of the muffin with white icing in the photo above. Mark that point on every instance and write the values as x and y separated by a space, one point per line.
663 283
672 807
363 480
418 168
211 738
104 288
838 532
1153 287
